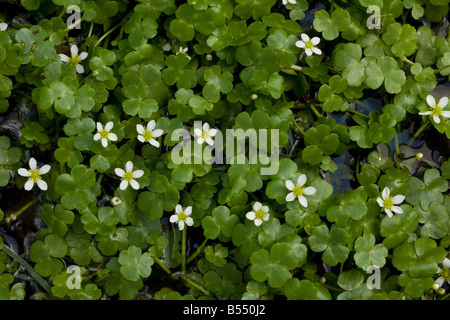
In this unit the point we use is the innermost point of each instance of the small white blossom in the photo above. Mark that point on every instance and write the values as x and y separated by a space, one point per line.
259 214
182 217
128 176
387 202
34 175
149 134
205 134
309 44
3 26
75 59
444 274
183 51
436 110
116 201
298 190
285 2
105 134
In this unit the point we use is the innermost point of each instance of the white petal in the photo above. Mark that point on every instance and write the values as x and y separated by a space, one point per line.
200 140
316 51
198 132
443 102
109 125
129 166
206 126
308 52
138 173
119 172
83 55
301 180
440 281
32 163
79 68
289 185
173 218
24 172
290 197
44 169
257 206
153 142
189 221
104 142
64 58
396 209
123 185
425 113
112 136
29 185
315 40
398 199
436 119
157 133
266 217
388 212
258 222
180 225
250 215
74 50
99 126
212 132
42 184
300 44
3 26
134 184
431 101
309 191
209 141
380 202
178 208
446 263
265 209
140 129
151 125
446 114
304 37
188 211
303 201
97 136
386 192
141 138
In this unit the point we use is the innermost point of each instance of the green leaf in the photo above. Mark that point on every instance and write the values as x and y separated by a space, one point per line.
330 26
331 242
135 264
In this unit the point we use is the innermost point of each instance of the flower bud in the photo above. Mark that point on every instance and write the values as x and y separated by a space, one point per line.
254 96
419 155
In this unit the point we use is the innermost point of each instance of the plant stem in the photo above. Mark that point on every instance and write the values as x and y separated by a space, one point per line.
297 126
296 67
424 127
183 249
316 112
29 268
23 209
197 252
358 113
76 22
112 29
164 267
405 59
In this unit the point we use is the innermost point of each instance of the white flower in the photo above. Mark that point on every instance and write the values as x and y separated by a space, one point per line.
149 134
205 134
34 175
3 26
182 217
444 274
128 176
436 110
309 44
183 51
298 190
166 46
75 59
116 201
259 214
105 134
285 2
388 203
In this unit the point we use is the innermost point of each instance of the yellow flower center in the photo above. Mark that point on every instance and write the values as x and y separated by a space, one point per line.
104 134
147 135
309 44
182 216
205 135
74 60
437 111
388 203
128 176
298 191
34 175
260 214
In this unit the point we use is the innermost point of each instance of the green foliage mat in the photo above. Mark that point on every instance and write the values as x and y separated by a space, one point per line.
106 90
